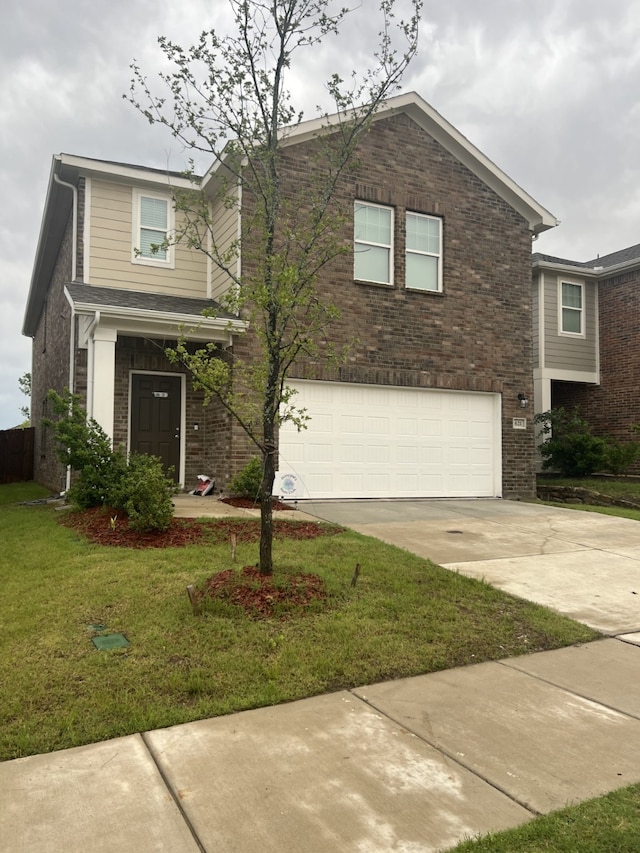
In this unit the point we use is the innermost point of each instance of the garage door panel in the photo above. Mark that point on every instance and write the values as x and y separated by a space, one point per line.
369 441
378 426
352 424
407 454
351 454
316 452
430 427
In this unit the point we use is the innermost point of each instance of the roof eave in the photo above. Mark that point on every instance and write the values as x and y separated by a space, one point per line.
141 315
572 269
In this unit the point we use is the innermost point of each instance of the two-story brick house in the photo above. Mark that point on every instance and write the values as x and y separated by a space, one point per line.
586 333
435 306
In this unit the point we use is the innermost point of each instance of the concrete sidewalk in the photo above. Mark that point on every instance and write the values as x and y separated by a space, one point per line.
413 765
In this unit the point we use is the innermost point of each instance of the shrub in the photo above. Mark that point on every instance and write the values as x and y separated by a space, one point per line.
620 455
86 448
144 493
569 447
138 485
247 483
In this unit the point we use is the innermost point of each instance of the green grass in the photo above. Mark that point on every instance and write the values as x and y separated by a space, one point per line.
609 824
615 488
628 490
404 617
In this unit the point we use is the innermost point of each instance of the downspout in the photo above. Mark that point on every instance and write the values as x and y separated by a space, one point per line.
72 330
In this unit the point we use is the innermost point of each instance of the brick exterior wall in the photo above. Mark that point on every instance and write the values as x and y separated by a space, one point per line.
613 406
208 448
50 367
477 334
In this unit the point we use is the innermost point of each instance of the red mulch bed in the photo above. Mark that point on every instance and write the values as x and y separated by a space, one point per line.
96 525
260 596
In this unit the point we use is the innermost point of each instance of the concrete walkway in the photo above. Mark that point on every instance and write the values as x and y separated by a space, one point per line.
414 765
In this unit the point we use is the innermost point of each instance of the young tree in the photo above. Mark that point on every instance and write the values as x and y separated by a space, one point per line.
228 96
24 382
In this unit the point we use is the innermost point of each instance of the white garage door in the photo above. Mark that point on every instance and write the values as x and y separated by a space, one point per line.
369 441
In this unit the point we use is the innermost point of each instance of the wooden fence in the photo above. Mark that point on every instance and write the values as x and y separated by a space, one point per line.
16 455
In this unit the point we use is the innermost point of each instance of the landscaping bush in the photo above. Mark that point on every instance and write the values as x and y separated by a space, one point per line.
86 448
569 447
144 492
247 483
104 476
620 455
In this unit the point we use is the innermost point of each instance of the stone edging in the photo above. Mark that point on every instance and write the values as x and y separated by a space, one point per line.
578 495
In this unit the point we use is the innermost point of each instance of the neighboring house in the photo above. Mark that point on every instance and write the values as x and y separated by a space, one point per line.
587 326
435 303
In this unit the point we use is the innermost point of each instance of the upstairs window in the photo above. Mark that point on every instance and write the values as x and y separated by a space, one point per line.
153 222
373 243
423 252
571 308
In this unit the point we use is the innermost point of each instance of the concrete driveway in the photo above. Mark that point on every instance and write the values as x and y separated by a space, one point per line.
583 565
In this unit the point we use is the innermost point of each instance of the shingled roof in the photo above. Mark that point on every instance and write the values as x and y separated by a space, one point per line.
112 297
615 258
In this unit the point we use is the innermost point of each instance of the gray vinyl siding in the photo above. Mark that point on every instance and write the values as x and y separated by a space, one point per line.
564 352
536 321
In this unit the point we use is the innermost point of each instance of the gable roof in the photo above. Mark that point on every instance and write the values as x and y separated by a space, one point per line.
430 120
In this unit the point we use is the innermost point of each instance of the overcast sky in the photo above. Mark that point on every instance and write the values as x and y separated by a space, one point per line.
549 91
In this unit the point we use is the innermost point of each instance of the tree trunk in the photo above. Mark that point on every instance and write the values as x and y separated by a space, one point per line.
266 510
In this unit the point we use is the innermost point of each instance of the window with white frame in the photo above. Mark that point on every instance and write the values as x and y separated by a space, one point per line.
373 243
571 308
423 252
153 222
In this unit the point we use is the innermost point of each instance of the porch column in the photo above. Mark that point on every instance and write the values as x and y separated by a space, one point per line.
102 380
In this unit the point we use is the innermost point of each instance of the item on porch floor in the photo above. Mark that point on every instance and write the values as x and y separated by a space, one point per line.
205 486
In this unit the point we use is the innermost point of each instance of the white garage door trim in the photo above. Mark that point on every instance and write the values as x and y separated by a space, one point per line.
379 441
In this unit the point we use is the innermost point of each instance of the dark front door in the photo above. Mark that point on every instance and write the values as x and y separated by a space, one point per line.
156 418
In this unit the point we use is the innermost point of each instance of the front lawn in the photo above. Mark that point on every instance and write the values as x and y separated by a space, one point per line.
607 824
405 616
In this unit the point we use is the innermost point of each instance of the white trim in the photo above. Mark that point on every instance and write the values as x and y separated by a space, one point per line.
567 375
137 195
438 256
389 247
162 324
101 380
183 413
86 233
541 322
561 332
597 322
118 171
